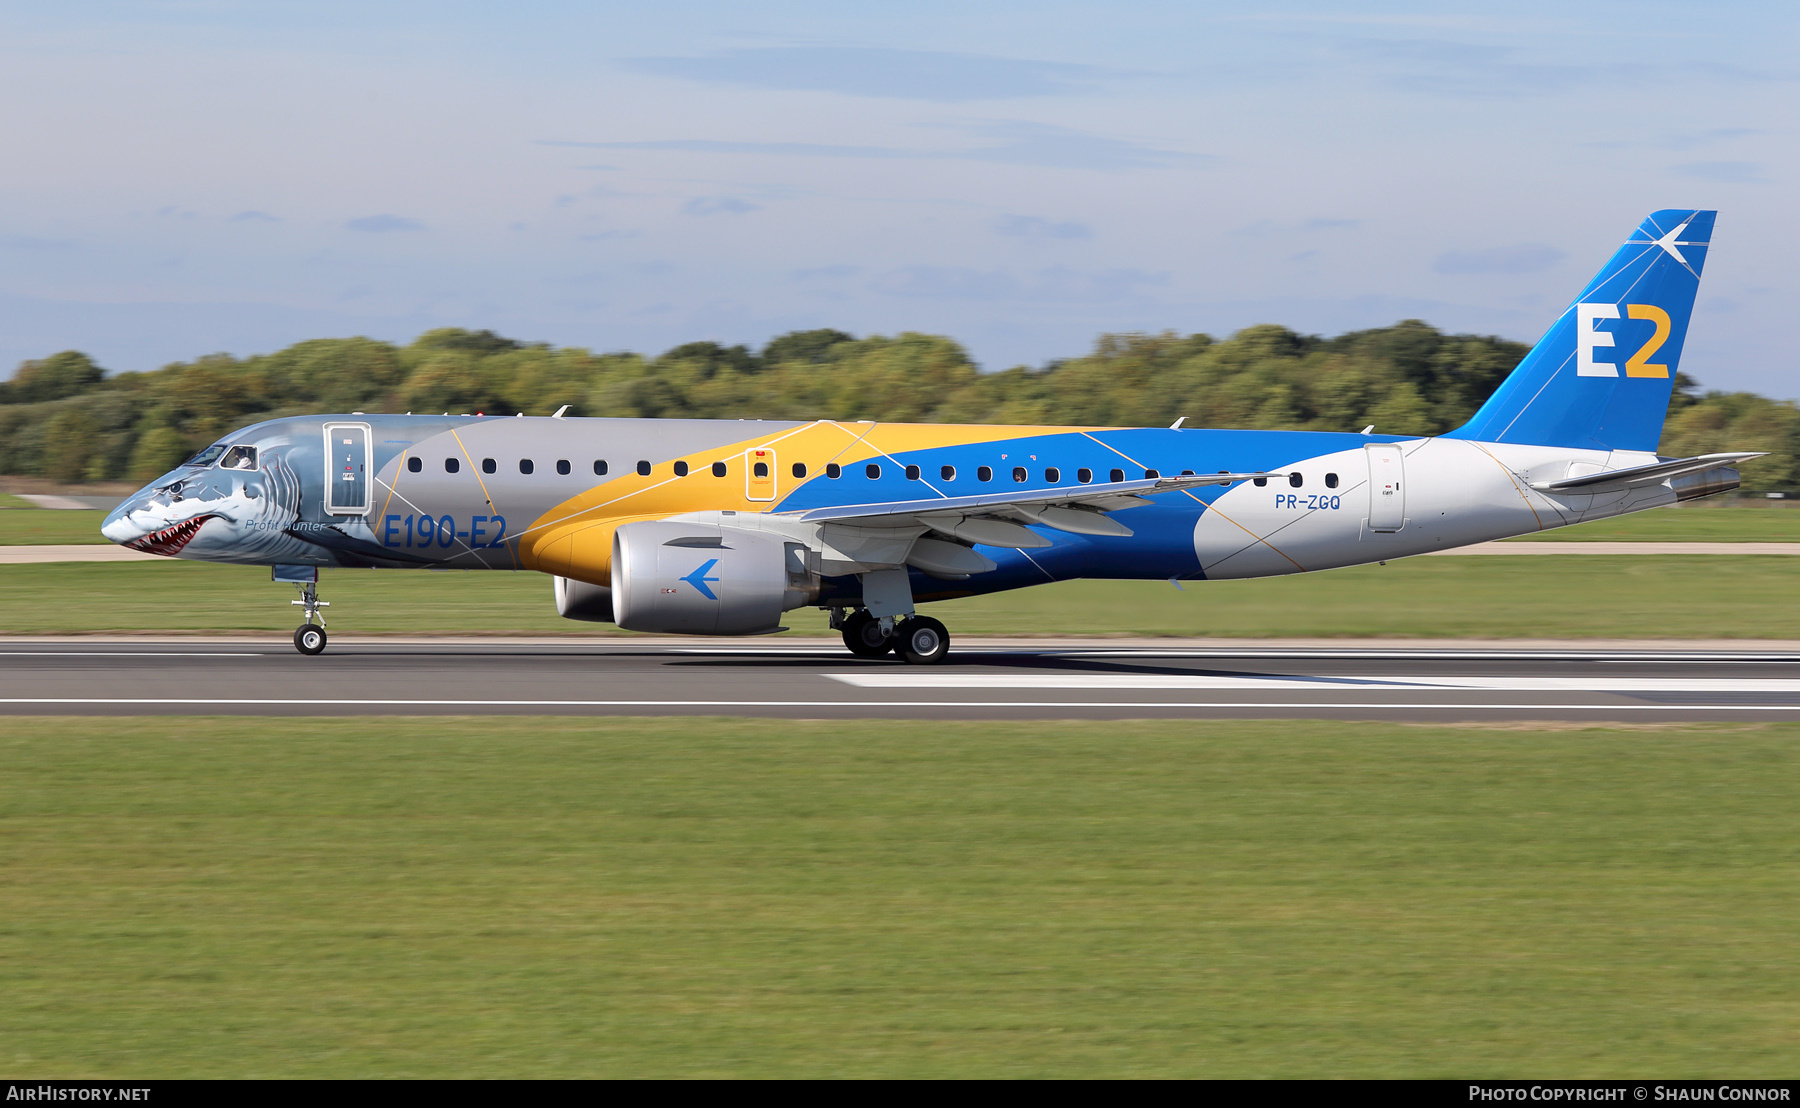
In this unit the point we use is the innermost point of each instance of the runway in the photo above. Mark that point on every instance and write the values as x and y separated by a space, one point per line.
985 679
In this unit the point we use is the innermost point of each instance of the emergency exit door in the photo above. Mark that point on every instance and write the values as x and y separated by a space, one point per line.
1387 496
759 474
347 468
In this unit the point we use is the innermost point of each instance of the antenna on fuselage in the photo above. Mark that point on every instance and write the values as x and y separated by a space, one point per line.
1369 430
558 413
1176 426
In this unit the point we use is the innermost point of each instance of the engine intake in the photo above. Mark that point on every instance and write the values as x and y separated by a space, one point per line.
702 579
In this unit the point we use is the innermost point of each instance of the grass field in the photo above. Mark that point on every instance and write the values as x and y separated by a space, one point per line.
1671 596
48 527
1723 521
556 897
1731 521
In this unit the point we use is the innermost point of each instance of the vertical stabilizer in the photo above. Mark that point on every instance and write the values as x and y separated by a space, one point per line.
1601 377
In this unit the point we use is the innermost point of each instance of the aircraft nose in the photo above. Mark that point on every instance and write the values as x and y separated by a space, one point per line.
118 525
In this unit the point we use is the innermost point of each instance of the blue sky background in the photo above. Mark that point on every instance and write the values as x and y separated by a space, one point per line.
181 178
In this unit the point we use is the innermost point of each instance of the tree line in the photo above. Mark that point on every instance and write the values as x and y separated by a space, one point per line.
66 418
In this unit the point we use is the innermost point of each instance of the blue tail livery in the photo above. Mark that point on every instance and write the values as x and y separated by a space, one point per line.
1601 377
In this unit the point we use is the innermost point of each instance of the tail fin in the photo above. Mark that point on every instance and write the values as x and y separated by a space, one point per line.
1600 378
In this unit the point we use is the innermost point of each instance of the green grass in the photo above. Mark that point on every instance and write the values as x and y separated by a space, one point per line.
558 897
1674 596
8 500
50 527
1726 521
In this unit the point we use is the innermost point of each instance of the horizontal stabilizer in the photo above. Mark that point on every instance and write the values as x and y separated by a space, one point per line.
1639 476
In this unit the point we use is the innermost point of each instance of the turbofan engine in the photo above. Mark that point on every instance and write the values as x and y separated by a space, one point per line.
701 579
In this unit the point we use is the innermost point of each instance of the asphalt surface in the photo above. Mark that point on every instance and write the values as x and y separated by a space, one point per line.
985 679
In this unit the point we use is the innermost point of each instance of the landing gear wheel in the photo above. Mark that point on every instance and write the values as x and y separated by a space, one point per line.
864 636
922 641
309 639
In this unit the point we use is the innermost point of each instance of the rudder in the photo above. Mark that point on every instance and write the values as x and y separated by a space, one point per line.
1601 377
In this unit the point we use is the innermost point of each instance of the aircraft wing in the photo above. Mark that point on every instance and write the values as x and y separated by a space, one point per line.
1638 476
997 518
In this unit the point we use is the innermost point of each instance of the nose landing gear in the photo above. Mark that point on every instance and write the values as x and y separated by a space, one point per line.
310 639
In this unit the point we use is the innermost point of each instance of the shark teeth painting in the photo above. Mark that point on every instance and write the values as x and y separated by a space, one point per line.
219 516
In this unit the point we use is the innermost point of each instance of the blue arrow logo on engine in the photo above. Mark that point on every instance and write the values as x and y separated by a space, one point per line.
698 579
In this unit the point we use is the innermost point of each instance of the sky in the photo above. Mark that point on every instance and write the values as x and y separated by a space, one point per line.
191 177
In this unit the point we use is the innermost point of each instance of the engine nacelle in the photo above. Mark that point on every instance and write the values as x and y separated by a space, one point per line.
580 600
702 579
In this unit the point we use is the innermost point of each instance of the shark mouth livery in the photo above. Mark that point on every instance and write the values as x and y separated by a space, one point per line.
719 527
171 540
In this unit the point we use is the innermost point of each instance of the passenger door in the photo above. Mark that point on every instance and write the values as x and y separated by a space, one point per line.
347 468
1387 499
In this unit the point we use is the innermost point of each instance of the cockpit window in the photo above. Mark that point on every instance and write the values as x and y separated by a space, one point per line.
239 457
205 457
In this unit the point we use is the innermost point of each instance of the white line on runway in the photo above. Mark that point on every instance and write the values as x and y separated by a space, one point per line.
1144 705
1304 683
128 654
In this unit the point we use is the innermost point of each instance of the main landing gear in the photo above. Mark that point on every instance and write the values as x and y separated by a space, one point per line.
310 639
919 640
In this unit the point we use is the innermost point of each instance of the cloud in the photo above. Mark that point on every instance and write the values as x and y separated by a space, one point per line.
1009 142
606 236
1530 257
30 242
1730 173
379 224
1443 67
1055 285
1327 224
714 146
718 205
254 217
1032 227
879 72
1021 143
829 272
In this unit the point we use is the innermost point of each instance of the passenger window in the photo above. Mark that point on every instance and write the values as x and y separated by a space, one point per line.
488 465
1151 473
1117 475
1052 475
643 469
947 473
1085 476
719 469
681 469
1260 482
1187 473
873 470
526 465
451 465
912 473
599 467
833 470
1296 480
799 469
1331 480
414 465
562 467
1019 474
984 473
239 457
760 469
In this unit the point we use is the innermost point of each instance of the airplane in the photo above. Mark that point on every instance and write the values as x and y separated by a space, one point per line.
719 527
